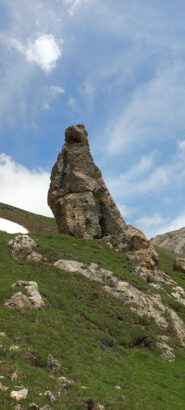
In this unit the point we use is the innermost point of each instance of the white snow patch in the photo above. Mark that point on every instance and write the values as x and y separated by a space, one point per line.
11 227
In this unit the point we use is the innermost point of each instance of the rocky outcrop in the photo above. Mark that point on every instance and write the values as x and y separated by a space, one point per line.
82 204
78 196
174 241
32 299
179 265
143 303
24 247
161 281
135 244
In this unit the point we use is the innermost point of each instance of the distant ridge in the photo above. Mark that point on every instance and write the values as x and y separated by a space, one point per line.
173 241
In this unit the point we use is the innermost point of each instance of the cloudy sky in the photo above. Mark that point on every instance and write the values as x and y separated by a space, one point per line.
118 66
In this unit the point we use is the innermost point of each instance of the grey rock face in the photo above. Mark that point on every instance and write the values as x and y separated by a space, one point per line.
78 196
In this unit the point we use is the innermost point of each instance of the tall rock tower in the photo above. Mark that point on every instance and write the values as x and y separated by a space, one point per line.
78 196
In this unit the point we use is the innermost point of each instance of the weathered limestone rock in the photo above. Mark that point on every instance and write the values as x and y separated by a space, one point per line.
135 243
24 247
32 299
78 196
167 351
50 395
143 303
53 363
3 388
82 204
19 395
179 265
160 280
131 239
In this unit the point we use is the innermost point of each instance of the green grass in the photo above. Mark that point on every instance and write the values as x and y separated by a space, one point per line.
99 342
34 223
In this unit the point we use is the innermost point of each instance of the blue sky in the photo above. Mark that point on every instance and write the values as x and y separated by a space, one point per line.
119 68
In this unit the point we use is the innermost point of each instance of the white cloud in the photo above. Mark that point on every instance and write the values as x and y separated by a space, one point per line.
152 224
24 188
57 89
134 180
44 51
176 223
181 145
73 5
51 93
153 111
156 224
45 106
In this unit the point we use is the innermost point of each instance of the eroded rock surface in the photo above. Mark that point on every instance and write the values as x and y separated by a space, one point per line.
78 196
82 204
160 280
179 265
143 303
24 247
135 244
32 298
167 351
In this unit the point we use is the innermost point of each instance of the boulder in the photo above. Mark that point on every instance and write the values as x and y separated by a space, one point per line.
24 247
179 265
137 246
78 196
32 299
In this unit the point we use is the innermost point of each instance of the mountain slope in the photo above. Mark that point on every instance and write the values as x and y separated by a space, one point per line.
174 241
102 345
34 223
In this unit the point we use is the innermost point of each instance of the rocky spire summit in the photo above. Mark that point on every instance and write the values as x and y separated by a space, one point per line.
78 196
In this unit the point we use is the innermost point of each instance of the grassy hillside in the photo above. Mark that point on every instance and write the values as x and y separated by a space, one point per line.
34 223
99 342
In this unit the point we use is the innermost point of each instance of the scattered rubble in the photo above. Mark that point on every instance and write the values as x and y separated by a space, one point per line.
3 388
14 348
50 395
13 376
33 406
53 363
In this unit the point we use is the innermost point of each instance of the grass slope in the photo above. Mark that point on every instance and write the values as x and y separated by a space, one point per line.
34 223
99 342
